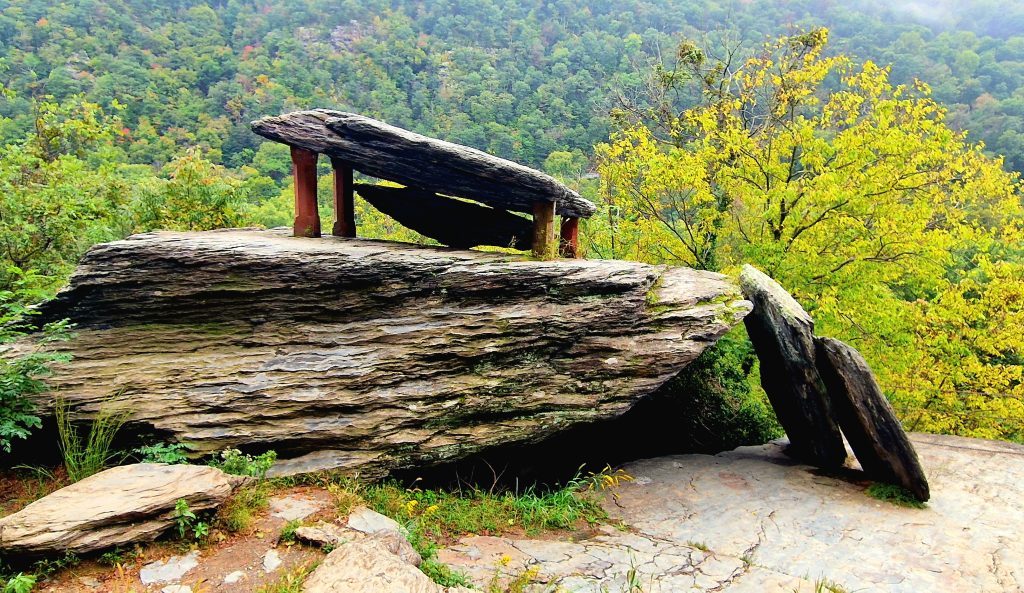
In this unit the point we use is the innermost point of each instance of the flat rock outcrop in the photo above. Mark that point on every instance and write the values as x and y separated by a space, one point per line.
866 418
783 337
119 506
753 520
371 355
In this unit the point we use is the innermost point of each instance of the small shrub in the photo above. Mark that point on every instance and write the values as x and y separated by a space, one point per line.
239 512
894 494
288 533
21 376
20 583
291 581
187 523
235 462
173 453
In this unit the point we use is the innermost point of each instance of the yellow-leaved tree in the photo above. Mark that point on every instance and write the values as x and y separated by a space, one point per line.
895 232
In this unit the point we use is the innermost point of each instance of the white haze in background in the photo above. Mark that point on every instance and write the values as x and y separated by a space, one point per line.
936 12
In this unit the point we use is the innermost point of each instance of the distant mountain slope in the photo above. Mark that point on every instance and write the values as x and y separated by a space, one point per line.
520 79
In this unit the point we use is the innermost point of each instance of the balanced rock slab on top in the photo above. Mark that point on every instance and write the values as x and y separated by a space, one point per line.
866 418
375 148
371 355
783 337
119 506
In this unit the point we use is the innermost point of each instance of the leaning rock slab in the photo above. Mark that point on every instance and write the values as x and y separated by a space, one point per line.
783 336
371 355
868 421
119 506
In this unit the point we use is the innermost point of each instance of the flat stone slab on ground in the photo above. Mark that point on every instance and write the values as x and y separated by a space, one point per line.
753 520
118 506
293 507
170 570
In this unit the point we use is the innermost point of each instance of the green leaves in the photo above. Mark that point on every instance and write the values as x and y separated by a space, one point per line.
893 230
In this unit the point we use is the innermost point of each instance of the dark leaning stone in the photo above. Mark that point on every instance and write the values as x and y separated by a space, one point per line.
867 419
783 336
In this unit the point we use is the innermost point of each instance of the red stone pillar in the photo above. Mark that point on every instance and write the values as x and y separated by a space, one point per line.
344 204
307 216
568 246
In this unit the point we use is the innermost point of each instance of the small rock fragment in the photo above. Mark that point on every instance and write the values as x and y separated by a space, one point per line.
367 566
271 561
118 506
176 589
367 521
234 577
294 507
91 582
169 570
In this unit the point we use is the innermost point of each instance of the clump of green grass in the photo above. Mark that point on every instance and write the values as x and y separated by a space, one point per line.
86 456
445 515
239 512
291 581
894 494
435 517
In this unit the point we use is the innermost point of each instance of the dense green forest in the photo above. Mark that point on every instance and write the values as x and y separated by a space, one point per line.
519 79
879 184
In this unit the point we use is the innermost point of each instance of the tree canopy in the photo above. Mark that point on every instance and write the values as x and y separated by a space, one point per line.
898 233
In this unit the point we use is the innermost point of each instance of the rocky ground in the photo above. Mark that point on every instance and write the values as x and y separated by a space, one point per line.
752 520
745 520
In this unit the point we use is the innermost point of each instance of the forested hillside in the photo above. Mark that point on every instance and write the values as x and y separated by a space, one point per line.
521 79
833 144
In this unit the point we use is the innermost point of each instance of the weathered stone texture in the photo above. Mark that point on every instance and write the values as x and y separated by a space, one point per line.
783 336
866 418
122 505
372 355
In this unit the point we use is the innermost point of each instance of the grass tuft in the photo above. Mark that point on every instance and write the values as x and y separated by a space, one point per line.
894 494
86 456
291 581
240 511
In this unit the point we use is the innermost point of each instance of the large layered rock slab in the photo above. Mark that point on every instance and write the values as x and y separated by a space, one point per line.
371 355
783 337
455 223
381 150
119 506
866 418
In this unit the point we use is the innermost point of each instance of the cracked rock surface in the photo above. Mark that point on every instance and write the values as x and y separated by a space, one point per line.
753 520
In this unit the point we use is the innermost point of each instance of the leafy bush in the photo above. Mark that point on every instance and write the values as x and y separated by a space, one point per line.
717 402
171 453
187 522
20 583
20 376
235 462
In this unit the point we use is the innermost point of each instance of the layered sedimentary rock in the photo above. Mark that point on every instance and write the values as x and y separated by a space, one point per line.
370 355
